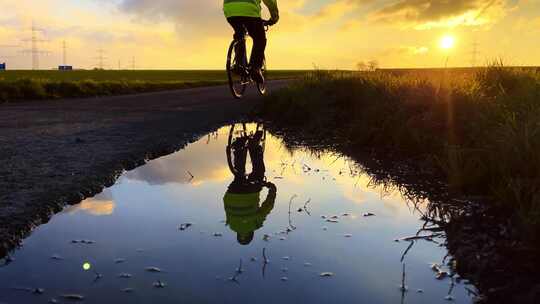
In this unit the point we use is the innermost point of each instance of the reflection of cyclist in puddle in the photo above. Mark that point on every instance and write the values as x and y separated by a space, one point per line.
244 214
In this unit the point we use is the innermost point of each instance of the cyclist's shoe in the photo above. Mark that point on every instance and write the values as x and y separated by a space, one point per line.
257 76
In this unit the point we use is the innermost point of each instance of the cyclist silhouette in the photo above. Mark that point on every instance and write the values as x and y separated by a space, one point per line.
245 15
241 201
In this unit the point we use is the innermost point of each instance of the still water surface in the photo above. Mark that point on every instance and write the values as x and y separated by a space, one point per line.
138 223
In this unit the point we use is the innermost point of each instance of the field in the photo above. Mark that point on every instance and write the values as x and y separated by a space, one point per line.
478 127
37 85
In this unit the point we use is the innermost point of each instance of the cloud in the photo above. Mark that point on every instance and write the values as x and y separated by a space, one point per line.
426 14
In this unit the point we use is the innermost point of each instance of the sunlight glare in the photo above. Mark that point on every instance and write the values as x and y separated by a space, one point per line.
447 42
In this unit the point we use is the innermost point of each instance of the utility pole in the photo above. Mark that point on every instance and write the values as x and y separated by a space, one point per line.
101 58
474 53
34 47
119 65
64 53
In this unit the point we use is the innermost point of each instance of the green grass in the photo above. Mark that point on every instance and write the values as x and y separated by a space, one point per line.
38 85
481 128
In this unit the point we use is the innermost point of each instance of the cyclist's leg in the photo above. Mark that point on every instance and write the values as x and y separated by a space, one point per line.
256 30
237 24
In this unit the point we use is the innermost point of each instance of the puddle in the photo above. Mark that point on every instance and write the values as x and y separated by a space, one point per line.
183 229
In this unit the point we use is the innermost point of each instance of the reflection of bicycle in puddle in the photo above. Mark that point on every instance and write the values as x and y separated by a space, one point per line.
245 214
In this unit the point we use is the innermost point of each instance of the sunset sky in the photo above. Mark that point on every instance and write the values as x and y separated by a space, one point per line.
193 34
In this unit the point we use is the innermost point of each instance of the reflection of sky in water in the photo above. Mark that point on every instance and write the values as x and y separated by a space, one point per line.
148 204
101 204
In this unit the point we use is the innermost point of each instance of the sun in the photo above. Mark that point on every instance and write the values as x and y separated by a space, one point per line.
447 42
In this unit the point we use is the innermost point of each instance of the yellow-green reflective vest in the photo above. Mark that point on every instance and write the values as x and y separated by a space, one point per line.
249 8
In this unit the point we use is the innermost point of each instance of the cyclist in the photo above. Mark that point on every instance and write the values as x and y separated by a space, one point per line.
245 15
241 201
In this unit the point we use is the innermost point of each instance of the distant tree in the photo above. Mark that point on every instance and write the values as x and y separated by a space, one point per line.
361 66
373 65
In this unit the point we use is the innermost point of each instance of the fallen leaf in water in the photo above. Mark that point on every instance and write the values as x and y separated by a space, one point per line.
159 284
74 297
441 275
153 269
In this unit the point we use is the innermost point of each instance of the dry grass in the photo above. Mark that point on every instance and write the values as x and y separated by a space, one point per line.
480 127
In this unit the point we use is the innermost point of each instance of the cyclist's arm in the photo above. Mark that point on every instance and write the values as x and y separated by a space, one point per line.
273 8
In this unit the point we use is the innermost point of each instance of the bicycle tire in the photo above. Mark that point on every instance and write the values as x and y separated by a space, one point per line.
237 86
261 87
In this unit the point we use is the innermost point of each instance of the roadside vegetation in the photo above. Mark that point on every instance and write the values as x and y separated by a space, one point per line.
39 85
480 128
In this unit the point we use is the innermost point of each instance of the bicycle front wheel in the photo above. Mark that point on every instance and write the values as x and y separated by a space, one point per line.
235 72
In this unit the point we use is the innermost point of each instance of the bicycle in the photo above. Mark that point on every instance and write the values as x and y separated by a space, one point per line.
238 69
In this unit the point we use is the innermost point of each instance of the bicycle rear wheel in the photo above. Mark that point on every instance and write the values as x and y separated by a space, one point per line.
261 87
235 72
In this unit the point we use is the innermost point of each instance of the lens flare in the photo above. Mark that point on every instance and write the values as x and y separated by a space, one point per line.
86 266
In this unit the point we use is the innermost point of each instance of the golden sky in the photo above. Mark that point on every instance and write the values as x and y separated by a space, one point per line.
193 34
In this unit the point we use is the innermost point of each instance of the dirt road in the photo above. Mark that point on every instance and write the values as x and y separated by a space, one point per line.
58 152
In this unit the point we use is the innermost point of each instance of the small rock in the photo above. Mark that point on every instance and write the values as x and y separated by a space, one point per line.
307 264
53 301
286 258
128 290
332 221
56 257
345 214
323 217
334 217
124 275
327 274
218 234
282 238
284 279
253 259
435 267
118 261
266 237
449 298
368 214
324 228
420 290
347 235
284 269
38 290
